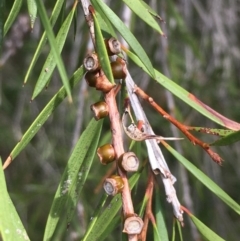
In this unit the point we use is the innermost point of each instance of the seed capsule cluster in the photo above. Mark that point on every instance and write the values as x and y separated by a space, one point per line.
95 77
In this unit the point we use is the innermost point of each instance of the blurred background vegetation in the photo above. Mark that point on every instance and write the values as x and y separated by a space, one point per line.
201 53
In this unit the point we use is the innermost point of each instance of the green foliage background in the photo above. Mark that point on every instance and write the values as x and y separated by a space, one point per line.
201 54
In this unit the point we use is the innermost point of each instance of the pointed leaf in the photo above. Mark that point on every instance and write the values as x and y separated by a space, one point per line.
227 140
74 177
187 97
211 131
151 10
102 51
53 19
126 34
139 9
160 232
2 9
54 48
50 63
104 24
43 116
11 227
204 179
32 11
12 15
206 232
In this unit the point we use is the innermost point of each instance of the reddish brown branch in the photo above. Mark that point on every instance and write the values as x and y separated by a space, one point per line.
148 213
117 143
180 126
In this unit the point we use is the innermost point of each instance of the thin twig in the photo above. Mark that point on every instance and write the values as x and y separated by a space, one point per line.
180 126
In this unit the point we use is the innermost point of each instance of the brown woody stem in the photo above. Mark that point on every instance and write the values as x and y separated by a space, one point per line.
117 143
148 213
180 126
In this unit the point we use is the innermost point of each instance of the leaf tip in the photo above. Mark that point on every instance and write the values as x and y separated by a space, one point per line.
7 162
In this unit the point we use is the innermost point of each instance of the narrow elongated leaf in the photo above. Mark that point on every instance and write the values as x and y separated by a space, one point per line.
160 232
12 15
102 51
54 46
211 131
204 179
126 34
206 232
74 177
11 227
104 24
187 97
154 13
53 19
139 9
50 63
227 140
43 116
2 8
106 217
32 11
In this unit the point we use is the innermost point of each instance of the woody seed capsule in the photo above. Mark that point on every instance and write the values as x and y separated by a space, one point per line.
106 154
113 185
100 110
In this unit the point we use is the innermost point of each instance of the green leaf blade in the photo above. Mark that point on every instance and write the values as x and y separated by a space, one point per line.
160 230
206 232
50 63
227 140
104 219
70 179
43 40
32 11
102 51
53 44
11 227
12 15
142 12
126 34
43 116
205 180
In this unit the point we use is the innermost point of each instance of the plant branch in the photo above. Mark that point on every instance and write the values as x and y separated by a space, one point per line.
180 126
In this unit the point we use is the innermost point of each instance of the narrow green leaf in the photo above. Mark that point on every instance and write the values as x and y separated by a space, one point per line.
139 9
151 10
126 34
74 177
11 227
104 24
206 232
179 230
32 11
114 223
227 140
54 48
50 62
102 51
160 232
105 218
44 115
53 19
12 15
204 179
174 230
2 10
211 131
187 97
